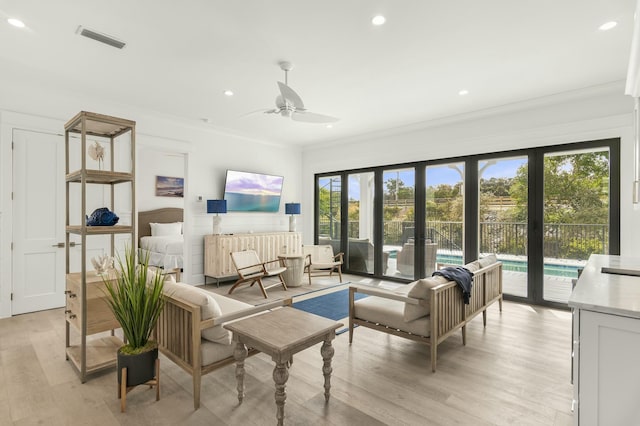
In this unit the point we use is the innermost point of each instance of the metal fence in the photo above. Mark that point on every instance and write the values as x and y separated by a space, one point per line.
561 241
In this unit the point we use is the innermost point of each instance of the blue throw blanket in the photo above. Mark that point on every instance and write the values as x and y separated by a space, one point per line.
462 276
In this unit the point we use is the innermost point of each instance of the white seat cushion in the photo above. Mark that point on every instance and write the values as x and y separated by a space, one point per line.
390 313
276 271
327 265
211 352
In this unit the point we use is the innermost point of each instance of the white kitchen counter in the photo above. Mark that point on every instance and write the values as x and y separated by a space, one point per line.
608 293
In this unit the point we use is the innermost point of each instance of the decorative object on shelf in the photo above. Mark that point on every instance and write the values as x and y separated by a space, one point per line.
102 264
96 152
292 209
169 186
102 217
136 299
217 207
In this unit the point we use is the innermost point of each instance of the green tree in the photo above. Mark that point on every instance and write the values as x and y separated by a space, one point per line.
576 189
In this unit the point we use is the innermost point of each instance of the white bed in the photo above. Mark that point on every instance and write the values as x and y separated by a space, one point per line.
161 238
163 251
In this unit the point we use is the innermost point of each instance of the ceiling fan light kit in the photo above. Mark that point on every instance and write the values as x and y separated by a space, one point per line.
290 105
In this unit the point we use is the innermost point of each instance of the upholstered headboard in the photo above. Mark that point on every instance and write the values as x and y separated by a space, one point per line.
164 215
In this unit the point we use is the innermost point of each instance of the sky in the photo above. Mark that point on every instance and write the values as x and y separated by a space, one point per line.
442 174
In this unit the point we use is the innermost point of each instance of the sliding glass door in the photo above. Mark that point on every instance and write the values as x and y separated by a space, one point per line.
576 216
399 188
444 216
543 211
329 217
503 187
360 248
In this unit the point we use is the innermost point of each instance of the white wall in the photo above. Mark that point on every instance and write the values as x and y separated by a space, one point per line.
598 113
153 163
207 153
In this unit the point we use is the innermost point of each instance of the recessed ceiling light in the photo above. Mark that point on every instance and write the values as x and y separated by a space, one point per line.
378 20
463 92
329 126
16 22
608 25
228 93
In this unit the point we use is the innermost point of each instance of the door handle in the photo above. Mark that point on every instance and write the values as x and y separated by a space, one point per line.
59 245
73 244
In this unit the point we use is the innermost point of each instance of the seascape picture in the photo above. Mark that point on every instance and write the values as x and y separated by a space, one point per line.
169 186
252 192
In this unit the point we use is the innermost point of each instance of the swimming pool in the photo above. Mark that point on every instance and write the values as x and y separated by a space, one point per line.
550 268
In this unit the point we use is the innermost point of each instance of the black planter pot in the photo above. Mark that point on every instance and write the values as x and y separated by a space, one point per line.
140 367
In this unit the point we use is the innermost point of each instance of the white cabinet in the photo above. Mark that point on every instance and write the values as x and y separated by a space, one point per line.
608 385
606 342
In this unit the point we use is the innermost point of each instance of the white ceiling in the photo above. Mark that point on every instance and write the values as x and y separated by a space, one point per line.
181 56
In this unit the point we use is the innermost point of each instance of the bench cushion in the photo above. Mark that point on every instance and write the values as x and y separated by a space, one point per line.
211 352
487 260
420 290
390 313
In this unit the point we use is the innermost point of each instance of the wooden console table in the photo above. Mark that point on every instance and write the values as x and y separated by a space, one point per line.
281 333
268 245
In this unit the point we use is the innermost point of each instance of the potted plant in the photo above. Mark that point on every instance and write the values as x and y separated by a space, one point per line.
136 300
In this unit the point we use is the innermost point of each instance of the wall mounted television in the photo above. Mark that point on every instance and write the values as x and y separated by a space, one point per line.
252 192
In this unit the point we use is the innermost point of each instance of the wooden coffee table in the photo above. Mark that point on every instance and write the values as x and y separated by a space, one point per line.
281 333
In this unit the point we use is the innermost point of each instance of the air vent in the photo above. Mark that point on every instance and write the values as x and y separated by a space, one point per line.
102 38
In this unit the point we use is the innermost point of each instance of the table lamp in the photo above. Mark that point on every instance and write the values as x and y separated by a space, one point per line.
292 209
217 207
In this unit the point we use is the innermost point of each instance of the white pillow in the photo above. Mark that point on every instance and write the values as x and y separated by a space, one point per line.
164 229
217 334
420 289
209 308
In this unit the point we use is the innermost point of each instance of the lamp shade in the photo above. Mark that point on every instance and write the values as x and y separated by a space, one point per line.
292 208
216 206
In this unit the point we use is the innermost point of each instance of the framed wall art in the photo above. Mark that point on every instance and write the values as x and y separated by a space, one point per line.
169 186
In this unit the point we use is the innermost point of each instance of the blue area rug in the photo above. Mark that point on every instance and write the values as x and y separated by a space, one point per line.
334 305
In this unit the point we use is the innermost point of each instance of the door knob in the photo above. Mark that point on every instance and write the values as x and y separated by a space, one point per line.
73 244
59 245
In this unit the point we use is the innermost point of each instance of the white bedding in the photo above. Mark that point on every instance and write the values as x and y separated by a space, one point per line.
164 251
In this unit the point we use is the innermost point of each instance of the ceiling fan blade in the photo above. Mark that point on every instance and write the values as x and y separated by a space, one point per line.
312 117
290 95
255 112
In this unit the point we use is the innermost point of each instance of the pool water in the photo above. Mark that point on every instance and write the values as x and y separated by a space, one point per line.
554 269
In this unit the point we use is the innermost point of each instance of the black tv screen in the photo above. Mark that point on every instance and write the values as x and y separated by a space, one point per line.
252 192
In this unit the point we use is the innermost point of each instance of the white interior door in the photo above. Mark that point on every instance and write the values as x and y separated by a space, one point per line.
38 215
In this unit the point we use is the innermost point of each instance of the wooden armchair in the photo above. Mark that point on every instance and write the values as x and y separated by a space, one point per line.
189 331
320 260
251 270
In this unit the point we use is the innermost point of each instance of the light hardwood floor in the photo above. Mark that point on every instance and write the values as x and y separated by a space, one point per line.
516 371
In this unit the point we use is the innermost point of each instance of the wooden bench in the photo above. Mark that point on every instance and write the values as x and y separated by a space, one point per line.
446 312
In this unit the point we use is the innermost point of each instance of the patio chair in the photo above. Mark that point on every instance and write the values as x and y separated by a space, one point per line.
320 260
251 270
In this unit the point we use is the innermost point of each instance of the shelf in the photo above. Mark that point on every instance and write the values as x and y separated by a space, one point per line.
100 230
100 177
101 354
99 124
86 309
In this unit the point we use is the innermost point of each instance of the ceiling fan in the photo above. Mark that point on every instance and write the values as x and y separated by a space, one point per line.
289 104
